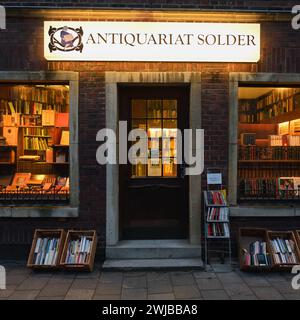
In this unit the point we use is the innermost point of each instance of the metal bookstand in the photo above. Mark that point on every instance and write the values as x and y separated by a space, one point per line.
217 186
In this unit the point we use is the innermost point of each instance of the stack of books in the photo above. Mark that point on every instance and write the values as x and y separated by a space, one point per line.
46 251
284 251
79 251
217 214
257 255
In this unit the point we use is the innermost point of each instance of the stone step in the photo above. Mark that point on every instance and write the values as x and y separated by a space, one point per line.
153 249
152 264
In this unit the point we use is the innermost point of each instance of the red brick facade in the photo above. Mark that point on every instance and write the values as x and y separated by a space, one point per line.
22 49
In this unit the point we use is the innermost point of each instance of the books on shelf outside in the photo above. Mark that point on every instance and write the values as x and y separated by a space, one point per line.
218 214
257 255
46 251
79 251
216 198
216 229
284 251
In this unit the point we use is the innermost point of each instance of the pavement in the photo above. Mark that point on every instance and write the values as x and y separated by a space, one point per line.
215 283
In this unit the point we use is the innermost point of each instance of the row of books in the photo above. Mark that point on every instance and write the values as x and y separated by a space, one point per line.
35 143
257 254
274 104
269 153
46 251
79 250
217 214
216 197
283 187
268 170
58 95
216 229
284 250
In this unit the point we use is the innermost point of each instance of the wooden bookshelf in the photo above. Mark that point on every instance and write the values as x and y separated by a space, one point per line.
289 235
75 235
248 236
46 233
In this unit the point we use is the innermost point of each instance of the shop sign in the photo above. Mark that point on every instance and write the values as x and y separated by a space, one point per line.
151 41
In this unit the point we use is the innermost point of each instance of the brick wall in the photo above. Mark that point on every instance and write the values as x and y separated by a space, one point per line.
156 4
21 48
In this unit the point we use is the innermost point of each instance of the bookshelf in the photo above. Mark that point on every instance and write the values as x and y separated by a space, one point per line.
79 250
285 254
46 249
250 240
216 224
33 119
269 146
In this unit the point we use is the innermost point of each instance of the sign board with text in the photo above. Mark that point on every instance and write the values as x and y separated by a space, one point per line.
151 41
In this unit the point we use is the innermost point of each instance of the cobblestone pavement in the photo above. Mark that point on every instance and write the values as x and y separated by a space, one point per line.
212 284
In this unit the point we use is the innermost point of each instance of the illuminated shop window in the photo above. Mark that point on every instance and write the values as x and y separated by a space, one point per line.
269 144
34 144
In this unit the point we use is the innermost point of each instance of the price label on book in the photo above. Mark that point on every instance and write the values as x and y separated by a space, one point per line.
214 178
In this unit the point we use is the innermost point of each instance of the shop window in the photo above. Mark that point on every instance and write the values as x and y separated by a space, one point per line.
34 144
159 119
269 144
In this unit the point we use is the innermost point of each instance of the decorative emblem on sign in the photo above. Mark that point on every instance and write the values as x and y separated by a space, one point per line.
65 39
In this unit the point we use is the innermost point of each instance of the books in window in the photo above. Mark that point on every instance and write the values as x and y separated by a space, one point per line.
284 251
46 251
79 250
218 214
257 255
218 230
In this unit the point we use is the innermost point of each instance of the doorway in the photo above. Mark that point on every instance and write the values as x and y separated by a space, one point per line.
153 198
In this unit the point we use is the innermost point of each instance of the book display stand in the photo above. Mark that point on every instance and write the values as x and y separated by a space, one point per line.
216 211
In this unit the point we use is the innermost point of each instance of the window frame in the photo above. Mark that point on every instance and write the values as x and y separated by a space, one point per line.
236 80
48 210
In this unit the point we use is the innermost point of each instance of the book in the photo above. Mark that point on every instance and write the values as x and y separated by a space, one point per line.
216 197
256 255
65 138
284 251
79 251
62 120
46 251
11 135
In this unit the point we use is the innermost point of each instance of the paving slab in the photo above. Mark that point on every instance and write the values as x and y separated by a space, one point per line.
79 294
214 295
186 292
24 295
267 293
209 284
161 296
134 294
159 286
